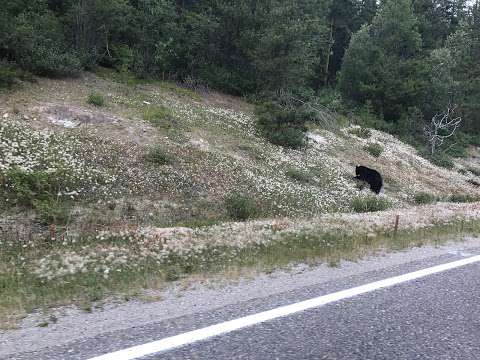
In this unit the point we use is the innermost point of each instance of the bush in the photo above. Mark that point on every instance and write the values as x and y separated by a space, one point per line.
442 160
463 198
360 132
157 155
37 190
240 207
159 116
374 149
370 203
299 175
331 99
26 188
9 74
52 211
282 126
96 99
424 198
39 46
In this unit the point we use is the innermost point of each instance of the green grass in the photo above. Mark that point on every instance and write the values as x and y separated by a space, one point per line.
157 155
363 133
23 292
179 91
370 203
423 198
240 207
299 176
159 116
374 149
122 77
96 99
128 78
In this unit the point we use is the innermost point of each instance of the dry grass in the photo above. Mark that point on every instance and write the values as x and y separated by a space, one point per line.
217 152
24 292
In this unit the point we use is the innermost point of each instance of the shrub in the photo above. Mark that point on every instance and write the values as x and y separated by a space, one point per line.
52 211
282 126
159 116
157 155
331 99
26 188
424 198
9 74
96 99
463 198
442 160
374 149
474 170
370 203
299 175
360 132
39 45
240 207
37 190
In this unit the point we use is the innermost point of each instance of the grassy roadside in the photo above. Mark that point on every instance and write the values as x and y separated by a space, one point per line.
24 289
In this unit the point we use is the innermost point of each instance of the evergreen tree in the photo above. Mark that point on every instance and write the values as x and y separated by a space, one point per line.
437 19
344 19
290 42
382 64
464 45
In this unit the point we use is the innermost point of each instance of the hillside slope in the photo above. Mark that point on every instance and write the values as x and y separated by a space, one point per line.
212 150
138 191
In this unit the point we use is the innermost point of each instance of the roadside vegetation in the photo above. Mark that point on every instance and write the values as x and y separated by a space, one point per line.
86 269
370 203
126 204
136 148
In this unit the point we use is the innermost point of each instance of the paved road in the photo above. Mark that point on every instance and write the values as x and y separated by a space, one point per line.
433 318
436 317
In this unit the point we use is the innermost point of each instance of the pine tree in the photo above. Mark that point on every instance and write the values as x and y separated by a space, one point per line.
464 45
381 65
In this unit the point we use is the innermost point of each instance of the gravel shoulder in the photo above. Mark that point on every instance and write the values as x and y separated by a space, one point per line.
209 294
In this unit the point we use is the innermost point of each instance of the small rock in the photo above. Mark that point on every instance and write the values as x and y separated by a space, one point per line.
5 115
146 102
25 117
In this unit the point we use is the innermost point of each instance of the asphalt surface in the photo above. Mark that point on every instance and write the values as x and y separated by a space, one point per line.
436 317
432 318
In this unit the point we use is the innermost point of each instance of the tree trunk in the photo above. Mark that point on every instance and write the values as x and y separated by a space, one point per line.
330 47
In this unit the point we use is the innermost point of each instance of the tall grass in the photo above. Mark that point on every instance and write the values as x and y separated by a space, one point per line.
370 203
22 291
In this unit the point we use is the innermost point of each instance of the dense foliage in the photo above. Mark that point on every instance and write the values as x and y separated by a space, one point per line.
395 57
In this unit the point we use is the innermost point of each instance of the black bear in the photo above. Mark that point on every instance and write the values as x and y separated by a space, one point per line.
372 177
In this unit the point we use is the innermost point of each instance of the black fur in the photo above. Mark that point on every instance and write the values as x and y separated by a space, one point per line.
372 177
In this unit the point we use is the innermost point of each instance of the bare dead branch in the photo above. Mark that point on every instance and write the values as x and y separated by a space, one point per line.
442 127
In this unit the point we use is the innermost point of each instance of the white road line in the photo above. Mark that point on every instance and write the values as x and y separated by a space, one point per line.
229 326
